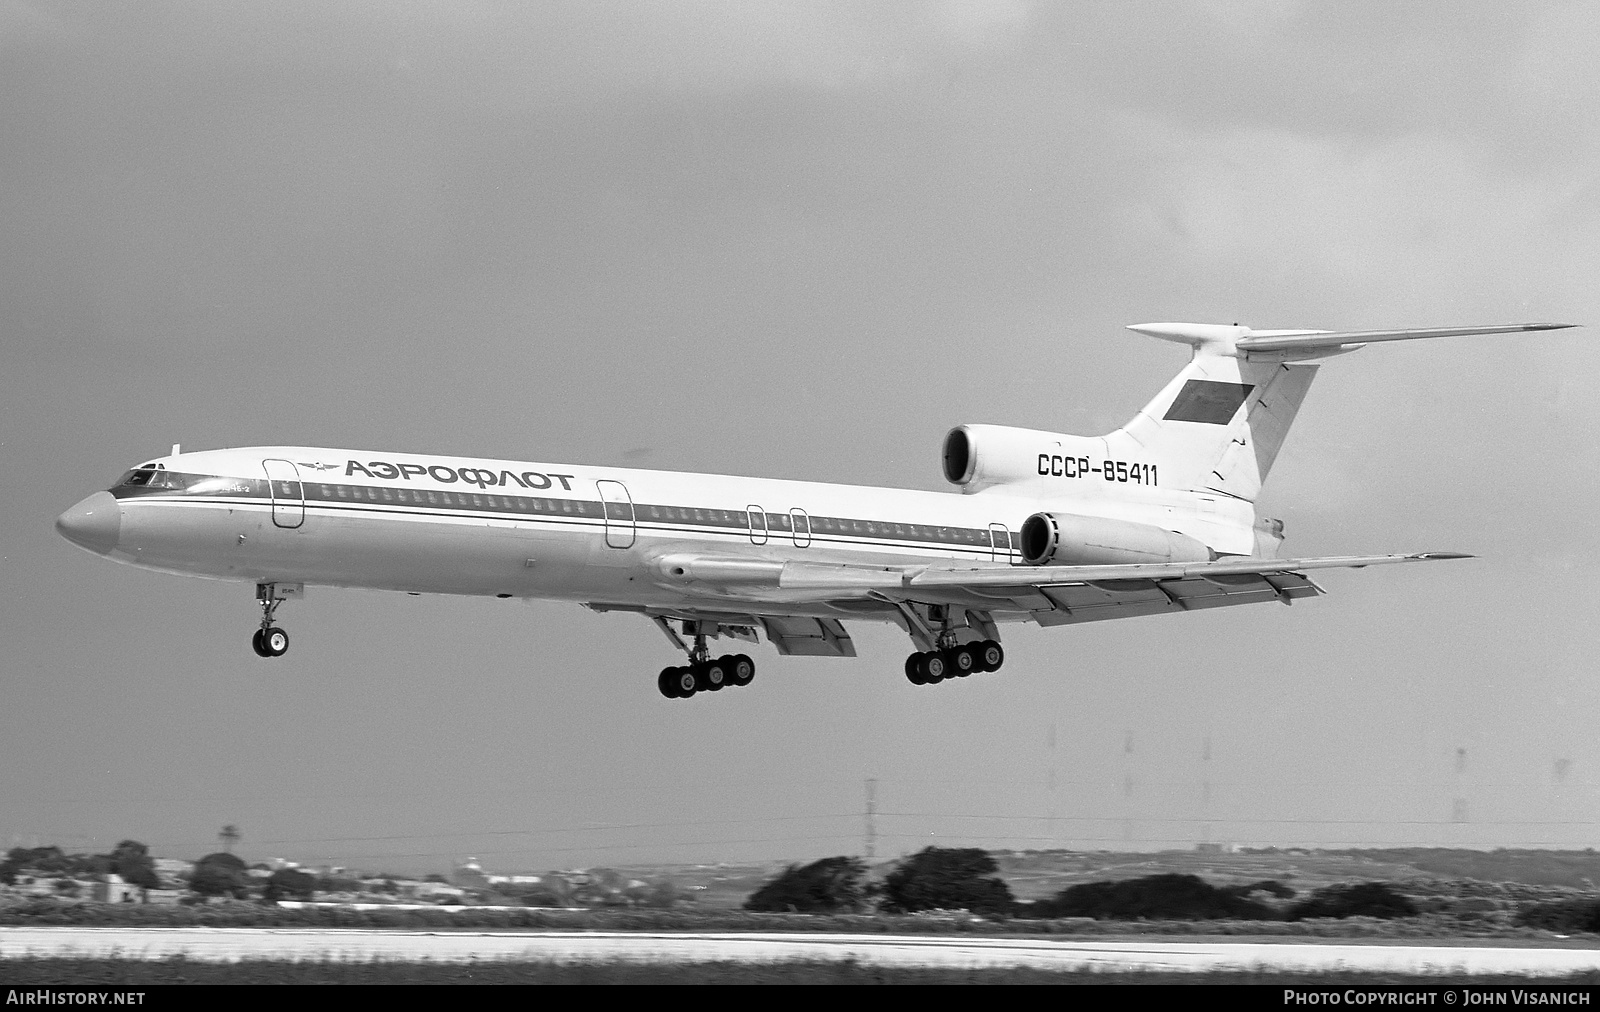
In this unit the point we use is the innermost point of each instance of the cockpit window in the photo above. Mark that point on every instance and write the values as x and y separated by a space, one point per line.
152 478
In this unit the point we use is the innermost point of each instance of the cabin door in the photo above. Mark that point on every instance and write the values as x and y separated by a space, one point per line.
288 495
618 507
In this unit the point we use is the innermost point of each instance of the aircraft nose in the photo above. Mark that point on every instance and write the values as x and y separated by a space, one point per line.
95 523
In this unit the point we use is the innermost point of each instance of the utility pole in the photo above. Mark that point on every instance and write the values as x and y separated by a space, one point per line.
872 814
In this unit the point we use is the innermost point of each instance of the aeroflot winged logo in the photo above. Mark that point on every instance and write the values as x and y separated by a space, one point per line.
481 477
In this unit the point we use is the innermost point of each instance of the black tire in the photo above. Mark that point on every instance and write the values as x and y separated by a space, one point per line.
741 669
913 674
963 661
991 655
667 682
685 681
713 675
255 644
275 641
933 667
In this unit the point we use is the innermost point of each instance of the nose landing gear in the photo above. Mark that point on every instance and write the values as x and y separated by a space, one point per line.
269 640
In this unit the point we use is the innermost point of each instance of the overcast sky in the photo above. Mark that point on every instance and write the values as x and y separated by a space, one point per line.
799 240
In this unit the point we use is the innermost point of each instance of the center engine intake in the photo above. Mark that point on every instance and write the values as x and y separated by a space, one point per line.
1066 539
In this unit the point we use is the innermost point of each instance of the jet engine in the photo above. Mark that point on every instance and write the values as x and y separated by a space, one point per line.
979 456
1066 539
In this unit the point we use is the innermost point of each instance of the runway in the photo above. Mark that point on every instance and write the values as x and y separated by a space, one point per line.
976 952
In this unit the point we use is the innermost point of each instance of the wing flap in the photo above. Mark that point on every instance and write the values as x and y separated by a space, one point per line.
1214 572
1108 599
808 637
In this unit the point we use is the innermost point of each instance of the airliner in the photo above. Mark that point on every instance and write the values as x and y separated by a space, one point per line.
1155 518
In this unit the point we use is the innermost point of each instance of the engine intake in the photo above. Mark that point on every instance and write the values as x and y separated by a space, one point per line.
1066 539
977 457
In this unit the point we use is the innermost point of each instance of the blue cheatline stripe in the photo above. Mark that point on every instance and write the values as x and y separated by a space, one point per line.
175 487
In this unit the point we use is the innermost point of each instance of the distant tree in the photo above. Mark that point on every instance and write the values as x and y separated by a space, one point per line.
1154 897
224 859
338 884
45 859
220 874
133 862
1359 899
1565 916
67 887
947 878
229 836
436 877
825 886
288 883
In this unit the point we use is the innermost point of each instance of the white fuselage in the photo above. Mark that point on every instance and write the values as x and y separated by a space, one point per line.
457 525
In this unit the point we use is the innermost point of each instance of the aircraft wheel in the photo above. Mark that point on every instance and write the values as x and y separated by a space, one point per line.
274 641
963 661
255 644
714 675
741 669
913 672
685 682
667 682
932 667
991 655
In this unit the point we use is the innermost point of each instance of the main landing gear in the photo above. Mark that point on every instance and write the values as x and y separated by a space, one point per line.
269 640
932 666
702 674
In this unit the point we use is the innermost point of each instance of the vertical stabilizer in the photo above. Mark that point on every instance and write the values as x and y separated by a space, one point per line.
1220 423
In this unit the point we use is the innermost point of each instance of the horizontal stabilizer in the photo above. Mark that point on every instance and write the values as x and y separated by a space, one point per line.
1264 341
1244 342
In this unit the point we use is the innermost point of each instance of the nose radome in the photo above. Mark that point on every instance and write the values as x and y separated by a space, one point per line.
95 523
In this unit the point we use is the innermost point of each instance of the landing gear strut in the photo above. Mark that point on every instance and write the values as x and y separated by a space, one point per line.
269 640
703 674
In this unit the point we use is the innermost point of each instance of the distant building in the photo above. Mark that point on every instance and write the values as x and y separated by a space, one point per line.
173 873
431 890
112 889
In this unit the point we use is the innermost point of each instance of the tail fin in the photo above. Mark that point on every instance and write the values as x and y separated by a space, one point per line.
1194 430
1196 434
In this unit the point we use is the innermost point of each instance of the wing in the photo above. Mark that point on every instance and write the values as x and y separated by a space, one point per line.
1049 595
